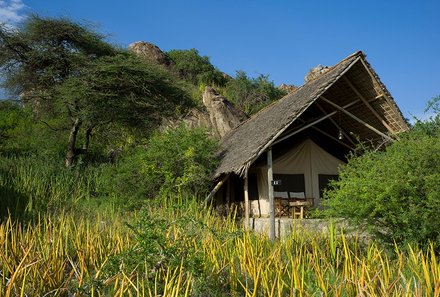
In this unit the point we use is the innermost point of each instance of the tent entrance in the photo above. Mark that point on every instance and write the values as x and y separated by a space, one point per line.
304 171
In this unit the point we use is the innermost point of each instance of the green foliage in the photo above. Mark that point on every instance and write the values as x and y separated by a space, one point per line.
22 134
74 81
123 89
174 163
30 185
196 69
394 193
43 52
11 117
155 250
252 94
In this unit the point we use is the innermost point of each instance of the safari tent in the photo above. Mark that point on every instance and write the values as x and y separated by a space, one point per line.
293 148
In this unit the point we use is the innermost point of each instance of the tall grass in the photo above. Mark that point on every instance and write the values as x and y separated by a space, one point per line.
177 248
29 185
62 255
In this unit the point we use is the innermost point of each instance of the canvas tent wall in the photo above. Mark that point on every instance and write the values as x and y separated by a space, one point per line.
305 163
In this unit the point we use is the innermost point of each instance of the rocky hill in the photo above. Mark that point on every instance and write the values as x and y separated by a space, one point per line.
217 113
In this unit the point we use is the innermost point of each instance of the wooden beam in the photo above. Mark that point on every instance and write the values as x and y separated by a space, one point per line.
246 202
336 124
390 101
313 123
377 97
270 143
216 188
271 199
368 105
332 137
356 118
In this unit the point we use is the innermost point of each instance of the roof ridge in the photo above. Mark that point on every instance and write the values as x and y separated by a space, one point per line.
357 53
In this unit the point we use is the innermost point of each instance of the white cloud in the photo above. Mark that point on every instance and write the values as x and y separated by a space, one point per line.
10 11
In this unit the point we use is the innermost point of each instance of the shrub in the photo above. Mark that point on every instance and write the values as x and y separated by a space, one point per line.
252 94
394 193
178 161
196 69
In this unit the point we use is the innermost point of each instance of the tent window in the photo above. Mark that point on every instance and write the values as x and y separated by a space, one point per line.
290 183
324 181
253 186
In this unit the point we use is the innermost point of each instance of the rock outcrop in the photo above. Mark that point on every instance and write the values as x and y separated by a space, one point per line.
150 52
315 72
220 115
287 88
223 115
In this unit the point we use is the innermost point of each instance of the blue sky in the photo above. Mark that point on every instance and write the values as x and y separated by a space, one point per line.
280 38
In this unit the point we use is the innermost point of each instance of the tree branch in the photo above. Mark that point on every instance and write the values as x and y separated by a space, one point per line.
50 127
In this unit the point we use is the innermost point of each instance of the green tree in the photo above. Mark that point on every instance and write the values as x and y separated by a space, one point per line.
196 69
42 53
252 94
62 69
394 193
119 89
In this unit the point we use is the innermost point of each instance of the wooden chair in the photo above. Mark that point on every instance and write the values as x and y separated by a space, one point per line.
282 207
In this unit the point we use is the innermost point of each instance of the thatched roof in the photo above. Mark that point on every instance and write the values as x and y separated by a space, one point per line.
345 82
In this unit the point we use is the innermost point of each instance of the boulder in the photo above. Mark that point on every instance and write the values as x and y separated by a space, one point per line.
287 88
223 115
150 52
218 115
315 72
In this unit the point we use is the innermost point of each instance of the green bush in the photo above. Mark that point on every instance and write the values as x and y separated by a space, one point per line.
176 162
196 69
252 94
395 194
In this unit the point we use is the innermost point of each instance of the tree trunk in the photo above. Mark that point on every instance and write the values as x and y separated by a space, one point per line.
71 151
85 147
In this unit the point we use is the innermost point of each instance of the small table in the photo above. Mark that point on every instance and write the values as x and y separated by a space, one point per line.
299 205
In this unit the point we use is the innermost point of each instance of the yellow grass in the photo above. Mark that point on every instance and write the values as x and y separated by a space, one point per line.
58 256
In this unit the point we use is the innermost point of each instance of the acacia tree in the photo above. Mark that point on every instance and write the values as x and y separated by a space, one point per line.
119 89
42 53
61 68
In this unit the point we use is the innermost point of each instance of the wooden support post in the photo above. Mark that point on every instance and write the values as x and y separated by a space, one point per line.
216 188
228 196
246 202
271 200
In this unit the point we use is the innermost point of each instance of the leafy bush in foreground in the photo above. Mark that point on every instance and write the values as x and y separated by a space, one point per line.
394 193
